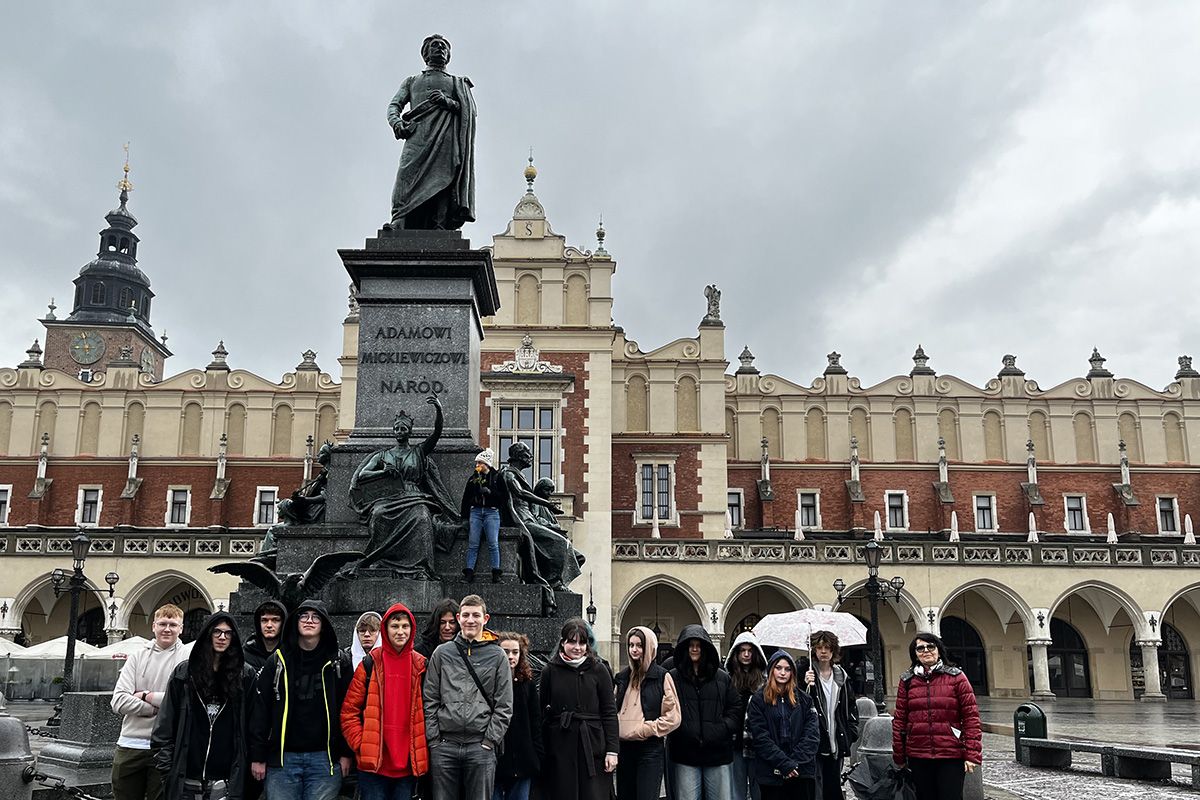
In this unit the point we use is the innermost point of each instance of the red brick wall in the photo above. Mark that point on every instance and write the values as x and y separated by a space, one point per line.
625 488
149 508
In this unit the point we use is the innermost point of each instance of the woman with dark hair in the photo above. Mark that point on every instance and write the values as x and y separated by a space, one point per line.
935 728
747 668
784 729
520 761
580 720
647 710
838 711
199 743
441 626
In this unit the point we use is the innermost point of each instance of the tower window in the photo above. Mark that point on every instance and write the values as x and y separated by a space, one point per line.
126 298
144 307
98 294
110 244
124 244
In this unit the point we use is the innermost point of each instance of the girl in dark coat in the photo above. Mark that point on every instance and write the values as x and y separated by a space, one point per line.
199 740
441 627
580 720
784 728
935 728
837 709
520 761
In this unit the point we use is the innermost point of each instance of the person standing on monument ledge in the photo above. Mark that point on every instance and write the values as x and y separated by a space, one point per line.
435 184
481 502
269 619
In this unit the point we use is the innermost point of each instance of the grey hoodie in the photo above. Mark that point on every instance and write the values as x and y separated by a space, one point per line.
454 708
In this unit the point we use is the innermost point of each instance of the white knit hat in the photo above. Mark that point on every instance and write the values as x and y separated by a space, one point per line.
487 457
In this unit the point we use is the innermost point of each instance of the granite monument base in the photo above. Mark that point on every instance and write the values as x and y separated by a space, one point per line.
512 604
83 754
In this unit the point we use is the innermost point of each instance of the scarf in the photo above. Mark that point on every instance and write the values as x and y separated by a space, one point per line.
574 663
397 693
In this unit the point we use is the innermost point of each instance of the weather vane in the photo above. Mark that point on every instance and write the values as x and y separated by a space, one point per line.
124 185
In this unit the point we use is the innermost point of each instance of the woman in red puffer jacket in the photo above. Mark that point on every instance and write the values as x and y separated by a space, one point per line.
935 729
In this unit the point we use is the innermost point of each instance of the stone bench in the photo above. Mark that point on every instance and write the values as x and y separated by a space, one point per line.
1056 753
1153 764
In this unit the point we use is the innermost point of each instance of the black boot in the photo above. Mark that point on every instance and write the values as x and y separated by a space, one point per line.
468 575
496 575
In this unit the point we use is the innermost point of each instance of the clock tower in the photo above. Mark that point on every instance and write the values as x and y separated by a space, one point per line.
110 317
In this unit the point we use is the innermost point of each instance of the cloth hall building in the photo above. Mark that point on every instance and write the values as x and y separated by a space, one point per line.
1043 532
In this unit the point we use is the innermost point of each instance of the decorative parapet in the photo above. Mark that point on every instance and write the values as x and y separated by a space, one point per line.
119 543
932 552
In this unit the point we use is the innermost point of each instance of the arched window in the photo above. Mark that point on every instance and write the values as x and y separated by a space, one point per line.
6 414
902 422
814 430
687 404
125 244
98 294
1085 440
89 430
948 431
235 430
1067 656
730 429
326 424
529 301
126 299
637 405
576 311
1173 432
1127 427
993 437
1039 428
110 244
135 420
190 440
861 430
281 431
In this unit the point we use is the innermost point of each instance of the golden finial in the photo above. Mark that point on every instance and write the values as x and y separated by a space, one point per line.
124 185
530 172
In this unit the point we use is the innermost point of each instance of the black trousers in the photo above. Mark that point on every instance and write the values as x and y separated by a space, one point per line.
640 770
795 789
829 777
938 778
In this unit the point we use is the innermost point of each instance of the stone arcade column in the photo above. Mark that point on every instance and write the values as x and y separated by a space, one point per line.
1041 670
1153 692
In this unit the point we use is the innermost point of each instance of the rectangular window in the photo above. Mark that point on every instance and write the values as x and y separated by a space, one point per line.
985 512
810 510
656 492
1076 513
897 512
265 505
179 506
5 493
734 505
533 425
1168 515
89 506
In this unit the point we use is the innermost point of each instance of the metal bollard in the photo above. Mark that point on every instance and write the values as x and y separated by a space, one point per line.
15 756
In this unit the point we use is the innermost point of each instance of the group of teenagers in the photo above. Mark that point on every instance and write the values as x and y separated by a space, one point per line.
454 711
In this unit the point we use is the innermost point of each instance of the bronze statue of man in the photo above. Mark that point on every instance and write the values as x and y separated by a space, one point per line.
435 184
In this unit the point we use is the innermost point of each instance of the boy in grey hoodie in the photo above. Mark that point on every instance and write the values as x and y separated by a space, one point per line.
139 692
468 706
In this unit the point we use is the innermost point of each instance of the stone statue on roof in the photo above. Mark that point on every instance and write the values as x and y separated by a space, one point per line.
435 184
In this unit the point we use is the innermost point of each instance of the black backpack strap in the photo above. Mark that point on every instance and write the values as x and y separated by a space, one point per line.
462 651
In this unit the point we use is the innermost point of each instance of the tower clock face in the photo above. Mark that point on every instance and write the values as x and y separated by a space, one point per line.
87 347
147 361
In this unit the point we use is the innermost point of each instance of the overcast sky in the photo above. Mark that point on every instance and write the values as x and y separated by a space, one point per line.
982 178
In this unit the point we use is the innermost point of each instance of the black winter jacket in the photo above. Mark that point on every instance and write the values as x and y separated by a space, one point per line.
652 691
177 726
522 754
845 716
785 738
711 711
269 721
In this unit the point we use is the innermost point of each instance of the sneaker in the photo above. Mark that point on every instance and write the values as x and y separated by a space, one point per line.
468 575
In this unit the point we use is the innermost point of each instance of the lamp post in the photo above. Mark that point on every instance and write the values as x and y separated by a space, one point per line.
76 583
876 588
591 606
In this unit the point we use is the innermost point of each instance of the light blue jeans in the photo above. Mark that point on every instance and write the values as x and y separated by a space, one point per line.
741 777
700 783
304 776
484 521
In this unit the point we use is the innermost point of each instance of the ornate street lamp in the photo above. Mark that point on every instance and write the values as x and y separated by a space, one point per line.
76 582
591 606
876 588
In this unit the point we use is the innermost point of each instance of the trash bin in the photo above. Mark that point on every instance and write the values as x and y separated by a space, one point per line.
1029 722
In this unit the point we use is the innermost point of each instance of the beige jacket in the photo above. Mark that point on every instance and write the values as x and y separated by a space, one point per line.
146 670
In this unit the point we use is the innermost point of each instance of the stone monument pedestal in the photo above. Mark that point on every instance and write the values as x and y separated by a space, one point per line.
87 741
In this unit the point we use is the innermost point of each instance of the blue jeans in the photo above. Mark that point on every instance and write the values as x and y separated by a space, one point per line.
381 787
304 776
741 777
484 520
517 790
699 783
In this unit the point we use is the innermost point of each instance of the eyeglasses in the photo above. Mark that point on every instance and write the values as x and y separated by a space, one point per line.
310 617
925 648
222 633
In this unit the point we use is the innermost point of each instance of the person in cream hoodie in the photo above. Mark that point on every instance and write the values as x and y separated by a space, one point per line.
136 698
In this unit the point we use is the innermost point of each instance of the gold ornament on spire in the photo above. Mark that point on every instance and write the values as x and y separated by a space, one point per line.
530 172
124 185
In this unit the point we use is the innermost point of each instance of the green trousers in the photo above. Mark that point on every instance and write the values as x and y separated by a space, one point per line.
134 776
